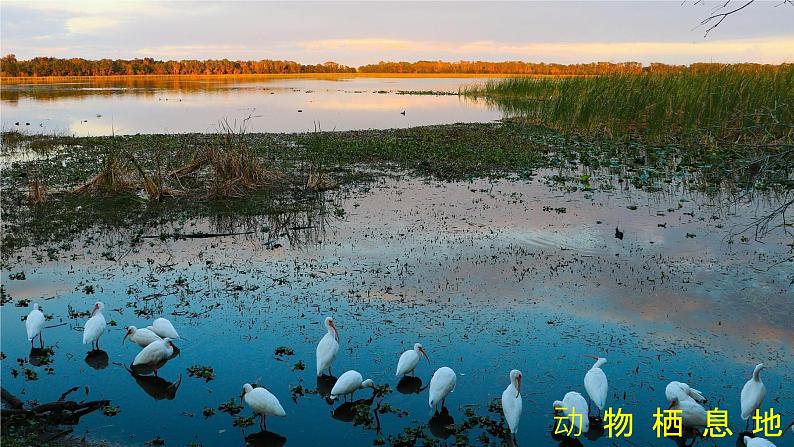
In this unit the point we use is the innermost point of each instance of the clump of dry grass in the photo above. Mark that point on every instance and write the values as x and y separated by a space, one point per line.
235 168
318 180
37 193
111 179
227 167
153 184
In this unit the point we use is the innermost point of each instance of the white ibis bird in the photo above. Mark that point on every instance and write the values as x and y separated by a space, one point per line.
757 442
511 401
164 329
442 383
34 323
753 393
350 382
328 347
142 337
574 403
262 402
156 354
95 326
693 415
595 383
410 359
683 392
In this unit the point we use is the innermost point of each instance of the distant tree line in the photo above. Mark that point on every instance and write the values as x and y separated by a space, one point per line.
50 66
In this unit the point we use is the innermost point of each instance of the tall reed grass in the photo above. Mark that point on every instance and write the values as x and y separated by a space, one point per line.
731 104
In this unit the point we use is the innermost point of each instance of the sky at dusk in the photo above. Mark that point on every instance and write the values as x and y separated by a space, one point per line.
357 33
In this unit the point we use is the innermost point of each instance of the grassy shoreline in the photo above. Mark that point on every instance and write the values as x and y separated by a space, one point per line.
714 107
131 180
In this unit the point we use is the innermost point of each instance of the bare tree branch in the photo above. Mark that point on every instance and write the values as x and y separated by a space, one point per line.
718 18
718 13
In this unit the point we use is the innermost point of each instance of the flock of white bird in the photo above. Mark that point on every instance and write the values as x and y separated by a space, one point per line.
157 346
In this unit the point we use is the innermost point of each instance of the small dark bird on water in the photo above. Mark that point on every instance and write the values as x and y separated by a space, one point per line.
27 124
299 110
618 234
402 113
17 123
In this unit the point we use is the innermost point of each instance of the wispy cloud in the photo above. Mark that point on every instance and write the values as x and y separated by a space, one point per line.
89 24
772 49
202 51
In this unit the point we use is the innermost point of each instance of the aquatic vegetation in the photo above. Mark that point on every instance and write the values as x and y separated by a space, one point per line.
450 152
713 106
158 441
110 410
282 351
232 406
243 421
202 372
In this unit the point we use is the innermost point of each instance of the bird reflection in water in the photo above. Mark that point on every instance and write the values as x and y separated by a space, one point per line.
689 439
565 441
324 386
154 386
740 438
97 359
410 385
346 412
596 428
441 424
40 356
265 439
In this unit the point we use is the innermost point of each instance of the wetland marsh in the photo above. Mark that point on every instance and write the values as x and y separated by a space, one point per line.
493 243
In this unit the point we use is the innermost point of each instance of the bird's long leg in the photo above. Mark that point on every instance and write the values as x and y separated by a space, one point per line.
97 344
41 340
262 422
747 425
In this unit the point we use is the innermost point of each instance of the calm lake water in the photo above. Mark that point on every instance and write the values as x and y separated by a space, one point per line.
489 276
101 107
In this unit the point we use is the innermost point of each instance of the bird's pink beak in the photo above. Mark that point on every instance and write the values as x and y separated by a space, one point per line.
94 309
336 331
518 390
594 357
241 397
425 354
672 404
